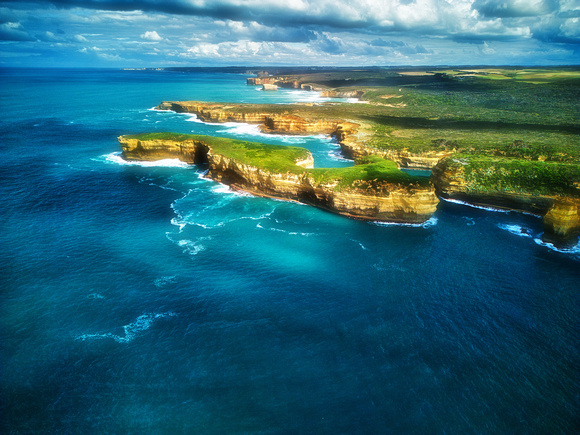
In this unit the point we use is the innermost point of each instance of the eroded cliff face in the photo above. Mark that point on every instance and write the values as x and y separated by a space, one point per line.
560 213
562 221
353 145
394 203
352 136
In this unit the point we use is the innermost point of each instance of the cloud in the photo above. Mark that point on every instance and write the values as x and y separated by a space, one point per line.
306 31
14 32
514 8
380 42
486 49
151 36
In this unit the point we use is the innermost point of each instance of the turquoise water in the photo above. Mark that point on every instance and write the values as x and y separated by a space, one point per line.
147 299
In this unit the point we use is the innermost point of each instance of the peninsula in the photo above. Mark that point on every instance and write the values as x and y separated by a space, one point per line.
497 138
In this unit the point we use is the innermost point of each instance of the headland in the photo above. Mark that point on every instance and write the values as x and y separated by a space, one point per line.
503 138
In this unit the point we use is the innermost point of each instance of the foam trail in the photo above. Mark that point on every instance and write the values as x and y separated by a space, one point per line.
480 207
575 249
167 163
131 330
517 230
429 223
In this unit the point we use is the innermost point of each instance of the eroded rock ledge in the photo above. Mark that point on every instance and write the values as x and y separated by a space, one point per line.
373 190
549 190
351 136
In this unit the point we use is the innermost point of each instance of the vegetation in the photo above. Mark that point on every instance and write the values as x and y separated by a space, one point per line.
483 110
369 173
514 129
492 174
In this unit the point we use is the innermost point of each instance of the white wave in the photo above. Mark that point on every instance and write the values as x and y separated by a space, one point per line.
241 128
224 188
95 296
291 233
574 249
429 223
154 109
364 248
481 207
192 117
517 230
164 280
488 208
192 247
168 163
338 156
131 330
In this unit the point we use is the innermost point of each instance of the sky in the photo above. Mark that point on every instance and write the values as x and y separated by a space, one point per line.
174 33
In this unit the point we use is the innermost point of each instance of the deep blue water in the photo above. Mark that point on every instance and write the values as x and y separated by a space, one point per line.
147 299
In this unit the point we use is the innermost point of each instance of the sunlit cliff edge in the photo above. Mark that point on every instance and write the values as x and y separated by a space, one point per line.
375 189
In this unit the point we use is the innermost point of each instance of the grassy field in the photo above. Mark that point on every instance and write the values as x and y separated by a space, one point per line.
518 129
531 113
369 173
491 174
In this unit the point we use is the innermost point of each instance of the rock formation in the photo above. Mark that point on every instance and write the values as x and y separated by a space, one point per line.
562 221
560 211
369 200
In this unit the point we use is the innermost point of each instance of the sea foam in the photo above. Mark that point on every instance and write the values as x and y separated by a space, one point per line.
168 163
574 249
427 224
517 230
142 323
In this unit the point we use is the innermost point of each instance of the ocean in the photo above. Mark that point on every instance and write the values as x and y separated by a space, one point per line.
145 298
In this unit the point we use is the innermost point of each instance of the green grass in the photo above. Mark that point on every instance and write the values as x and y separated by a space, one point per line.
369 173
493 174
271 157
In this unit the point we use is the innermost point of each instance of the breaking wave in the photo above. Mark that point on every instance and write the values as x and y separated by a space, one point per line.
116 158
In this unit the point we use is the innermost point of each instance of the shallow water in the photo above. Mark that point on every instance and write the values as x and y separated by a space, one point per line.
148 299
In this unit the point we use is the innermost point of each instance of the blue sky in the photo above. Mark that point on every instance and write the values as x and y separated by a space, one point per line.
161 33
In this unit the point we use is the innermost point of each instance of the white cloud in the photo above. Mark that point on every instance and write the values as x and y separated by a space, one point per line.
151 36
486 49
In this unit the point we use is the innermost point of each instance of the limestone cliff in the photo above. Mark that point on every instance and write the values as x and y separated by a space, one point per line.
289 121
381 201
562 221
352 136
512 185
333 93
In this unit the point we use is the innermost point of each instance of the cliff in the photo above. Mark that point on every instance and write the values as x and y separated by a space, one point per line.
287 121
351 136
545 189
372 190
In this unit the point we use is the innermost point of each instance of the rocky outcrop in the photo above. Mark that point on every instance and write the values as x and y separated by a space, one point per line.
287 122
562 221
292 83
350 135
269 87
252 81
370 201
355 148
560 212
